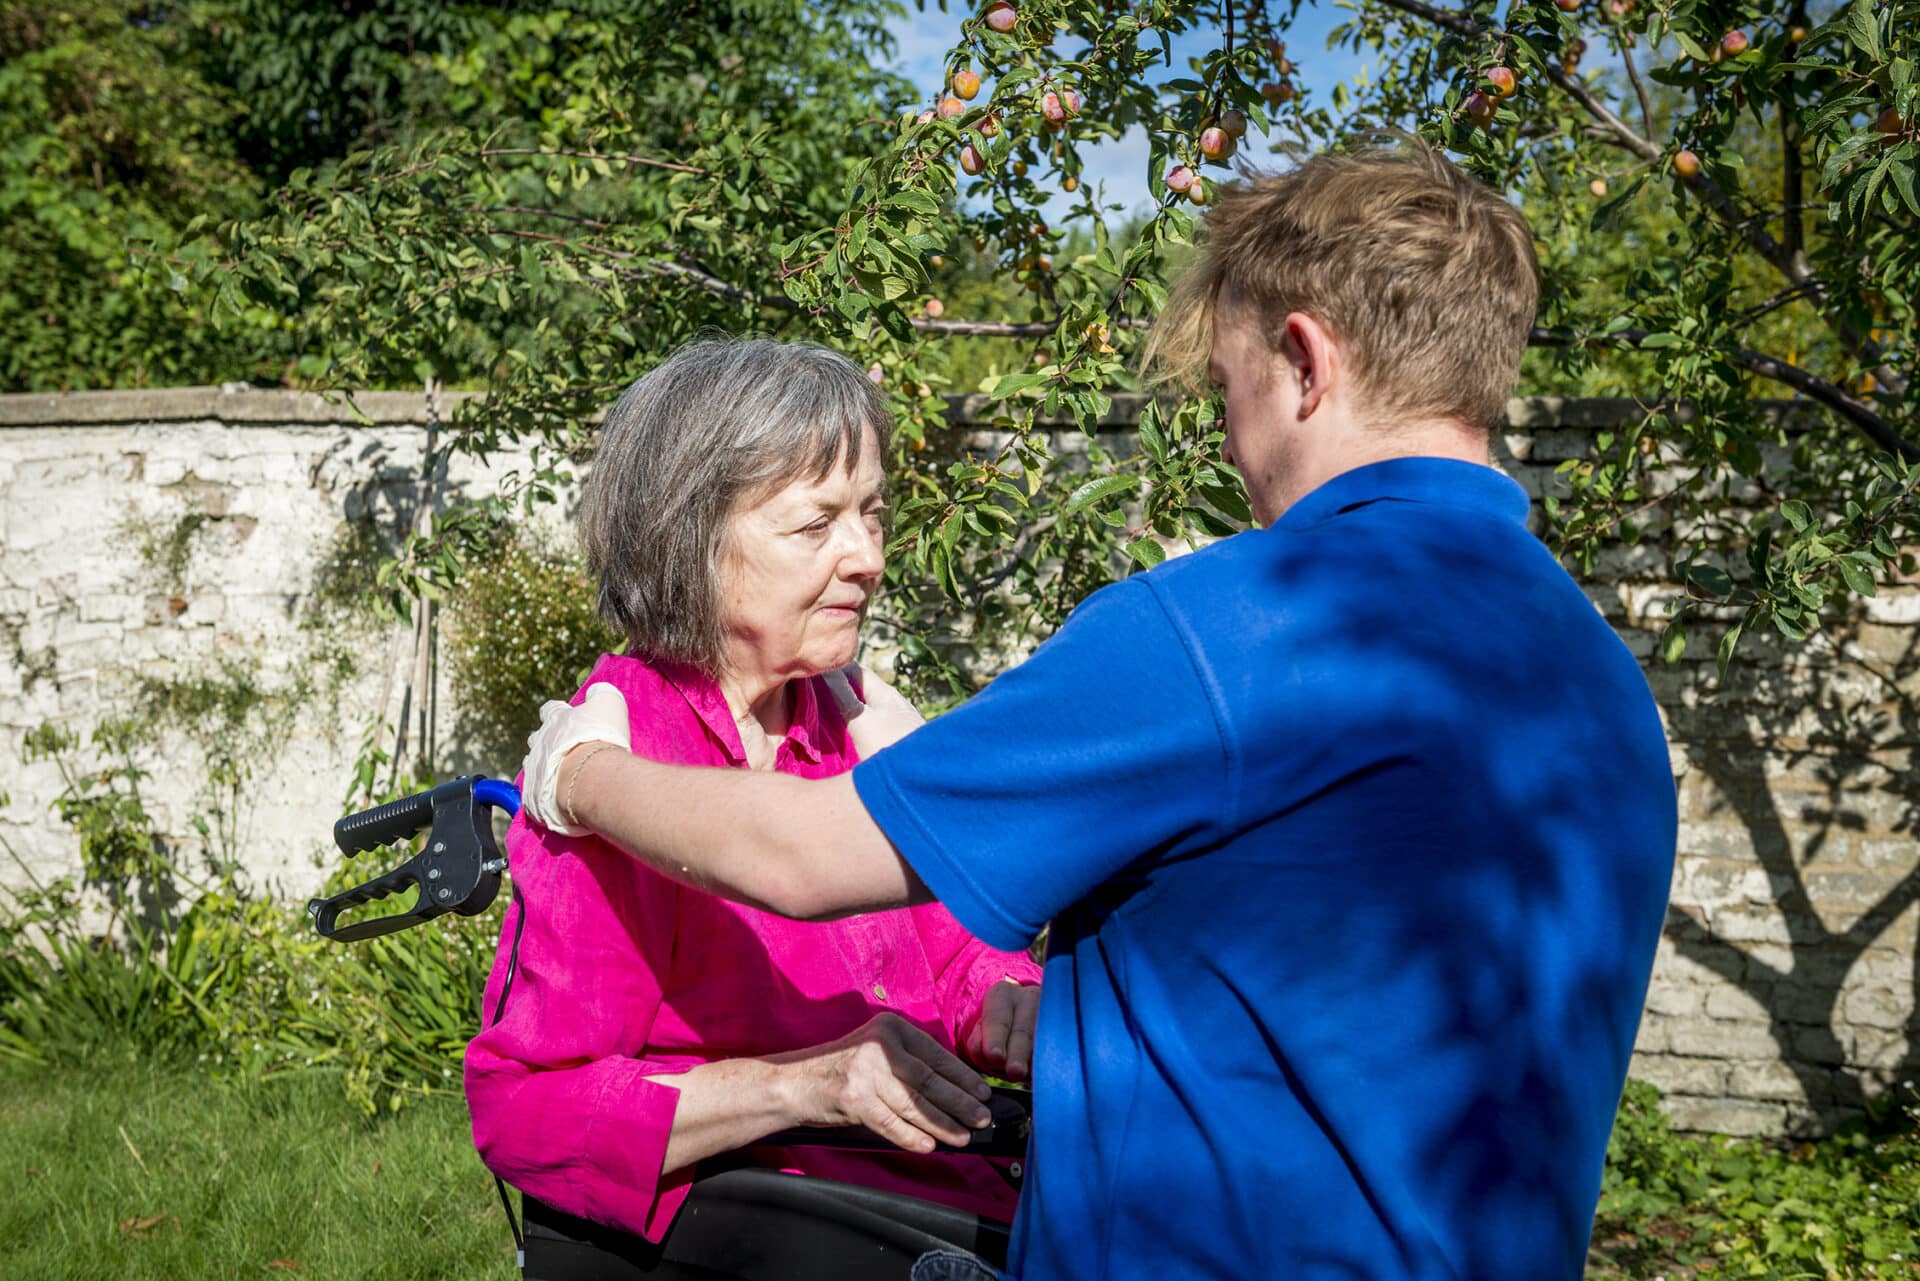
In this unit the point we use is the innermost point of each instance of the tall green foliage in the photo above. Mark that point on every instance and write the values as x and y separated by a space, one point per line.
1693 1205
213 974
111 137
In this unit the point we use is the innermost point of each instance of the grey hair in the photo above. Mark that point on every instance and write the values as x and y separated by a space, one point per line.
717 425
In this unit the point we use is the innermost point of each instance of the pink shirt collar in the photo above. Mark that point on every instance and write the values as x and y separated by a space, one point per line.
702 692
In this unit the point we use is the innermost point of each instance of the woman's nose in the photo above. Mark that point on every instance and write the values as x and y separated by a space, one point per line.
863 557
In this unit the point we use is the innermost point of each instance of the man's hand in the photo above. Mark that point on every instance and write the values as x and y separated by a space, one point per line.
892 1078
600 717
882 719
1002 1038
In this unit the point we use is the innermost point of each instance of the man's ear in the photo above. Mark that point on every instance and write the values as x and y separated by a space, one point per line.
1315 359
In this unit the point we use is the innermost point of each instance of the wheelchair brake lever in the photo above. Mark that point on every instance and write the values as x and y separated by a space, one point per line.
457 869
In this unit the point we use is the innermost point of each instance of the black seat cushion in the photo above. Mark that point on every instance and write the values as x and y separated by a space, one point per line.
754 1224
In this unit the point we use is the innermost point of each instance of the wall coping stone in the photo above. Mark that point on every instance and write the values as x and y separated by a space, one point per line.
239 405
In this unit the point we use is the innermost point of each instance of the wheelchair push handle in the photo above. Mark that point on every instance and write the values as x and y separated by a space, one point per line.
457 868
383 824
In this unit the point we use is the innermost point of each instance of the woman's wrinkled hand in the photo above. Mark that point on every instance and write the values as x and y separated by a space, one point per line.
1002 1038
600 717
881 719
892 1078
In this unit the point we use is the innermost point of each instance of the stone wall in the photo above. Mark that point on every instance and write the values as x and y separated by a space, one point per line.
165 536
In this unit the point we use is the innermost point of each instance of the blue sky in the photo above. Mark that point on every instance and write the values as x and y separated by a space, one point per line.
1118 169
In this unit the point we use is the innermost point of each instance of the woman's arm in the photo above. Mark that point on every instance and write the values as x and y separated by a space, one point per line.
888 1076
561 1102
564 1109
988 998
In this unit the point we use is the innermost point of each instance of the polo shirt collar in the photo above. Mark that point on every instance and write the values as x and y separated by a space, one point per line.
703 695
1447 482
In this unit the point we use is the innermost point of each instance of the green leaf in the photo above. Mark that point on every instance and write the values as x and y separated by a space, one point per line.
1857 577
895 322
1674 643
1863 29
1901 170
1100 488
1610 208
853 306
1008 384
1797 514
1147 551
1151 438
1727 644
1229 500
1714 582
918 201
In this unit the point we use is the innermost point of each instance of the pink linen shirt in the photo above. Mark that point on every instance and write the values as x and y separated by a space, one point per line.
623 974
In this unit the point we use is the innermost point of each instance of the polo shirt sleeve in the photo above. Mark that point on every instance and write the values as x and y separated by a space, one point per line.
1104 749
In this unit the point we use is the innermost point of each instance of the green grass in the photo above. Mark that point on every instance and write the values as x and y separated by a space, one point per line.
145 1173
135 1172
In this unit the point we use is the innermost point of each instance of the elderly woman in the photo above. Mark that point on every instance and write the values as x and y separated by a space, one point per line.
635 1027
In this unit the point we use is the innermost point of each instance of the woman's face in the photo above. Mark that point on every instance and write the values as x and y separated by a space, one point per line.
799 567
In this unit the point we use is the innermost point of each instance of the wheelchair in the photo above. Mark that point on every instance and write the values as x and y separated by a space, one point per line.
741 1221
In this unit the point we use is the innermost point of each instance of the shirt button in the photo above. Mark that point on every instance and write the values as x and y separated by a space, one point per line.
879 991
1013 1168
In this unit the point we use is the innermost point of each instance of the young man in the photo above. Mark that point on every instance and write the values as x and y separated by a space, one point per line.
1354 831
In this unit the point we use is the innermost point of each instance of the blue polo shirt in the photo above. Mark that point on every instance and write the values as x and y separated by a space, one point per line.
1355 835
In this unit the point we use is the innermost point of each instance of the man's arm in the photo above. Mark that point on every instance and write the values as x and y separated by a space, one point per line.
801 848
1104 747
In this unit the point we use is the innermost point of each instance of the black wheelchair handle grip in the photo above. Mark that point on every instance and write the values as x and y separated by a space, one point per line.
383 824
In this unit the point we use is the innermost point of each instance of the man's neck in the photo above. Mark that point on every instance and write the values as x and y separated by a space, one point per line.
1362 446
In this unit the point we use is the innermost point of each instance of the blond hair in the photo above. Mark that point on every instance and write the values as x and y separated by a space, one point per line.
1427 278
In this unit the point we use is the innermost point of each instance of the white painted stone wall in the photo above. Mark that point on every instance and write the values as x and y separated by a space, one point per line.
1784 991
272 479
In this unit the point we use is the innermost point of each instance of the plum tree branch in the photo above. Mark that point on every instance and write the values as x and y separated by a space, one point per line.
1862 416
1792 178
921 324
1639 89
625 158
1008 328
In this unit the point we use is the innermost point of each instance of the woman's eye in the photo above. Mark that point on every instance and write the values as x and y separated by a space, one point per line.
820 526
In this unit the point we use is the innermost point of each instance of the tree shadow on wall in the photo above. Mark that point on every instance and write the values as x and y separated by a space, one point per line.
1838 842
